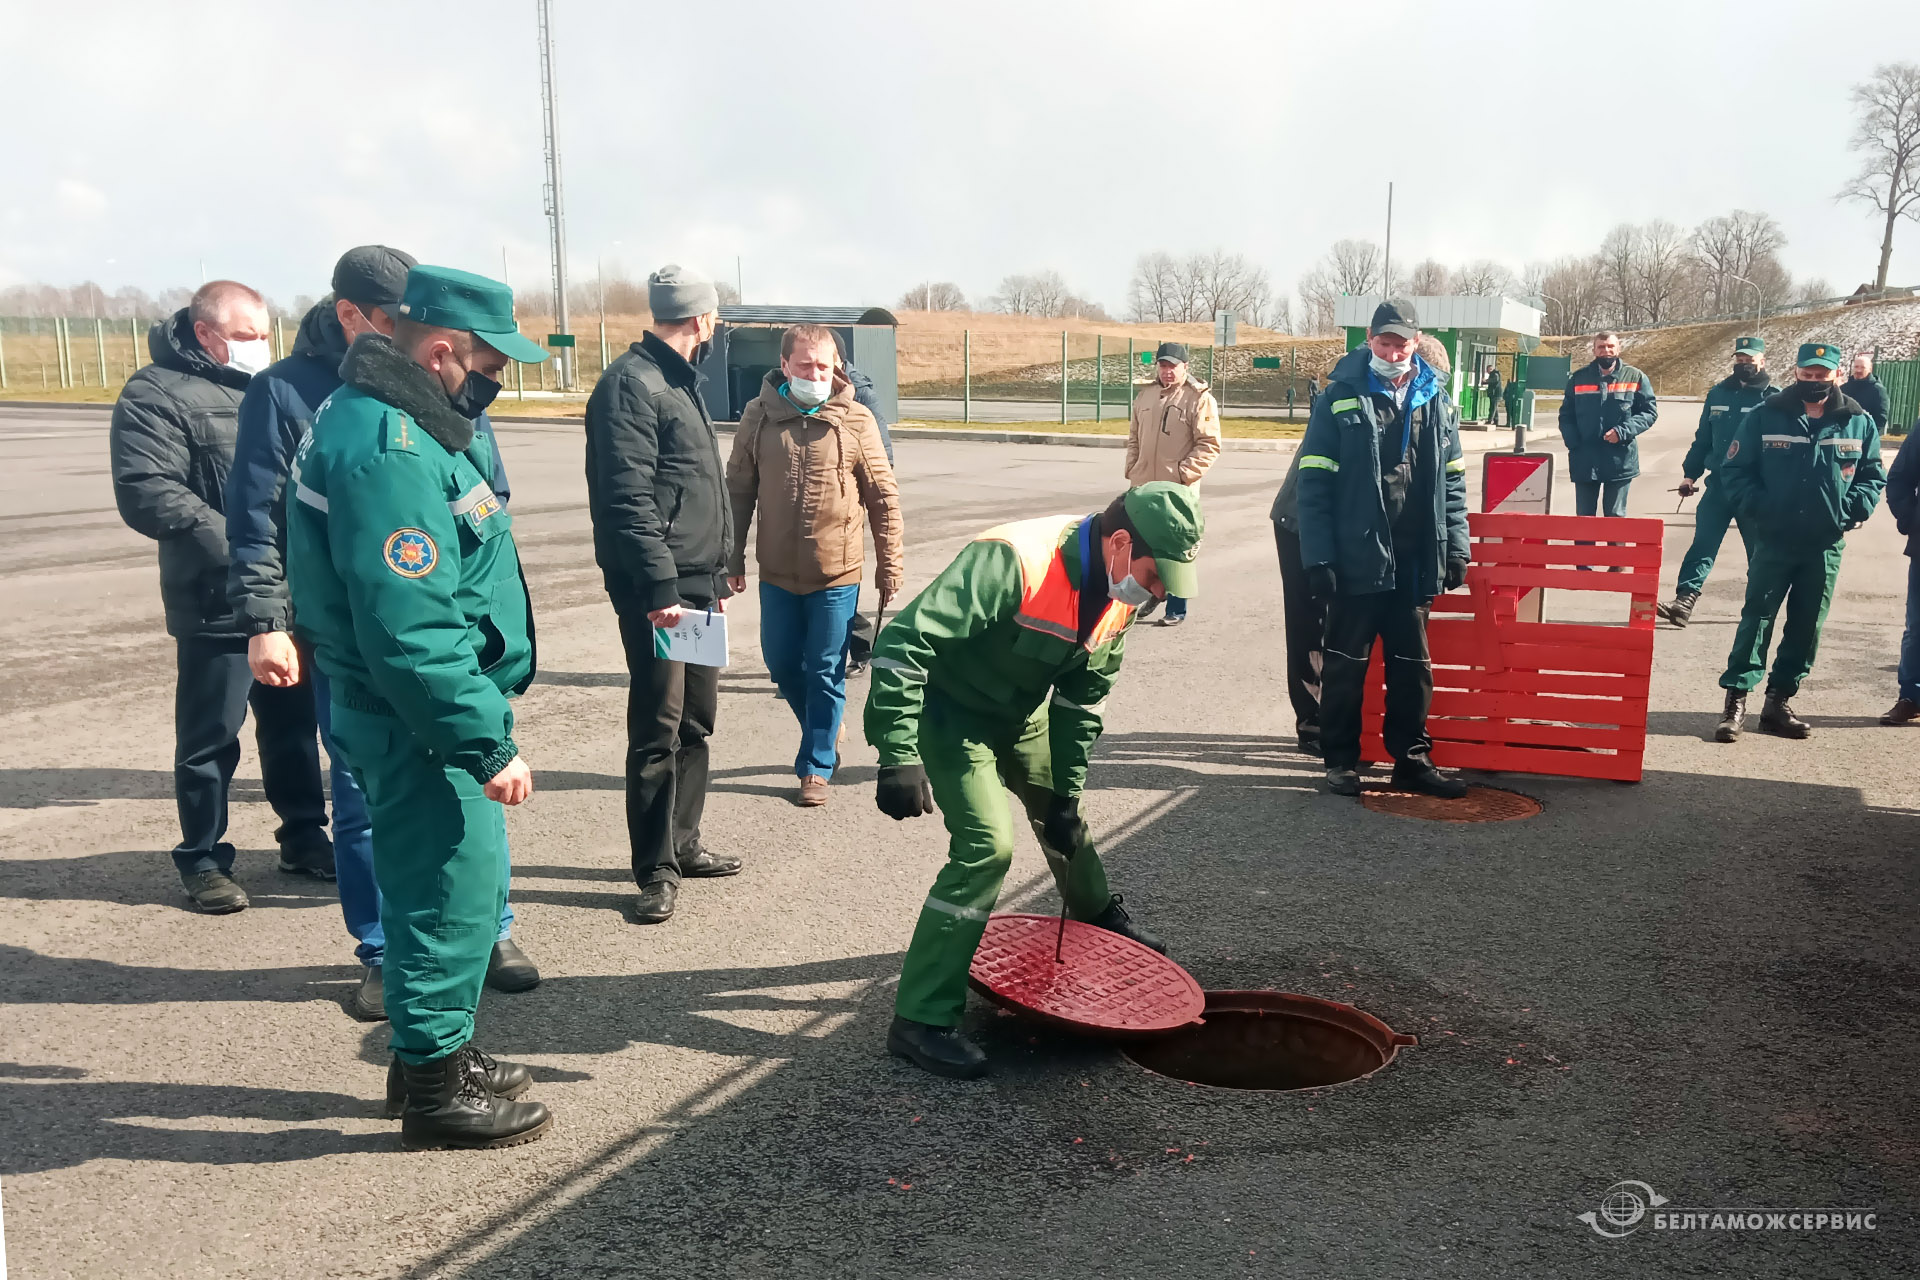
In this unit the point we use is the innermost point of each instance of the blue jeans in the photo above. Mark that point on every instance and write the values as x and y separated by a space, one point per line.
804 640
1910 641
353 841
1176 606
1588 498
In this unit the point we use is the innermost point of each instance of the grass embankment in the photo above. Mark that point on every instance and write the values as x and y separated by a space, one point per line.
1232 428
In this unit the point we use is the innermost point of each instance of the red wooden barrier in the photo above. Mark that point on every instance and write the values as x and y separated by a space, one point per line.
1567 699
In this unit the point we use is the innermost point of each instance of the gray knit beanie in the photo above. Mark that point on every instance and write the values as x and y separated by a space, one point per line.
674 293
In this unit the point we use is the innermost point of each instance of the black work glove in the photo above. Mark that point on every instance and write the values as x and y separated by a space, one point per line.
1063 827
1321 581
903 791
1456 573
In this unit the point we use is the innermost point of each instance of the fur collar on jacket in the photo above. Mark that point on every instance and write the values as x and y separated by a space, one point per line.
1840 405
374 365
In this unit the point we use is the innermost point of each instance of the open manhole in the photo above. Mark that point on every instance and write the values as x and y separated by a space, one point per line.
1273 1040
1480 804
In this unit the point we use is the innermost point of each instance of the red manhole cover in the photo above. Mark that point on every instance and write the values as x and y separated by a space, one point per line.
1480 804
1104 983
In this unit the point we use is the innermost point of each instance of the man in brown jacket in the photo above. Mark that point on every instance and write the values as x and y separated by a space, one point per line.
1174 435
810 457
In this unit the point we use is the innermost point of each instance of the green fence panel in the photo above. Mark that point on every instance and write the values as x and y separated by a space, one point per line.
1901 378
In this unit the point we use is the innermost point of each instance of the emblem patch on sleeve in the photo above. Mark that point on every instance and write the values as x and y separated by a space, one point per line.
411 553
1733 450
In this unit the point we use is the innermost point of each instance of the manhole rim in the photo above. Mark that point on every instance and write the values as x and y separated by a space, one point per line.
1347 1017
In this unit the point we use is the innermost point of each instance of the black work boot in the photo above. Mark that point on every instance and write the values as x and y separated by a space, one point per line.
503 1079
368 1002
449 1105
1343 780
215 893
655 903
1116 920
508 969
1418 774
1777 718
1733 718
313 859
941 1050
1680 610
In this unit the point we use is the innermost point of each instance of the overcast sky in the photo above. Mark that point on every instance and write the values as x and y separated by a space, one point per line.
846 150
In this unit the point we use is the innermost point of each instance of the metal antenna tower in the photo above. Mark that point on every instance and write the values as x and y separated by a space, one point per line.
556 215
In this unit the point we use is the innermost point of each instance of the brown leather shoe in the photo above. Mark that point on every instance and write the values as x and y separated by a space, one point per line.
1905 711
813 791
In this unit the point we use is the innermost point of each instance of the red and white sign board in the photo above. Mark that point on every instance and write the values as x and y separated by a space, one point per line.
1520 484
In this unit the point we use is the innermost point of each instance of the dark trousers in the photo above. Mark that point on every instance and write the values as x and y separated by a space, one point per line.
1493 409
1399 619
212 690
1306 618
670 713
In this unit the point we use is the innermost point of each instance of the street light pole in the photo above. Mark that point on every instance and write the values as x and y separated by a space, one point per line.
556 214
1756 294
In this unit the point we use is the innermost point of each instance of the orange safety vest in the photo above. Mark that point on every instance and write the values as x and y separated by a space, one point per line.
1049 602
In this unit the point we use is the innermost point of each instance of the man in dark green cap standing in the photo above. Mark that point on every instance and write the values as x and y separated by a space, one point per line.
994 678
1728 404
406 582
1802 470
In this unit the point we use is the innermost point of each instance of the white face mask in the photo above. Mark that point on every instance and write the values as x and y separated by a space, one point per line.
1391 369
811 395
249 357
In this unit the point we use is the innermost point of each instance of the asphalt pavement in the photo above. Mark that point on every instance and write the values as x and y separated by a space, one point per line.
1705 982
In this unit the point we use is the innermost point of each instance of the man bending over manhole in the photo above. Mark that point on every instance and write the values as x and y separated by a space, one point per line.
995 674
1383 530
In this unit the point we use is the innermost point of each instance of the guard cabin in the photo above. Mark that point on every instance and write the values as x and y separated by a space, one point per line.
746 344
1475 330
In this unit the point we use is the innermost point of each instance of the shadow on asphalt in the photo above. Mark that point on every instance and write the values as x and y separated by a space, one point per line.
147 877
39 788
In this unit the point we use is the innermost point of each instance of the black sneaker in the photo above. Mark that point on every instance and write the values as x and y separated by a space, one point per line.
1420 776
215 893
368 1003
508 969
1116 920
945 1051
314 860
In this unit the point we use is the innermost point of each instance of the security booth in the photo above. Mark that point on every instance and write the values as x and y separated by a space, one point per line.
746 344
1474 330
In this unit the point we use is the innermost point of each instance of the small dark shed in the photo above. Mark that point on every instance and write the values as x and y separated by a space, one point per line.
747 344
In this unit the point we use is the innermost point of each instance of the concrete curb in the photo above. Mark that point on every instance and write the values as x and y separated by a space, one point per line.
68 406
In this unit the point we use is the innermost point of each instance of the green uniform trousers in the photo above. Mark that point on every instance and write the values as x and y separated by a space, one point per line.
1710 520
439 850
1804 579
972 765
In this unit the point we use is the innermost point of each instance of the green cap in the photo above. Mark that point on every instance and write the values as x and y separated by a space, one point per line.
1752 346
1823 354
449 299
1168 518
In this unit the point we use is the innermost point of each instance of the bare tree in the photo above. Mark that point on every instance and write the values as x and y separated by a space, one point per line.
1660 269
934 295
1482 278
1887 134
1727 249
1043 293
1428 279
1811 290
1014 296
1617 259
1573 293
1355 266
1154 293
1280 314
1228 282
1317 296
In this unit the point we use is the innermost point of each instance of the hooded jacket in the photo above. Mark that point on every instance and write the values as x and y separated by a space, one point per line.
275 415
812 477
1174 434
1869 395
1595 403
170 448
1798 483
656 488
1342 504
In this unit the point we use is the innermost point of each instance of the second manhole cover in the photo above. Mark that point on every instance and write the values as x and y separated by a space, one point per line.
1480 804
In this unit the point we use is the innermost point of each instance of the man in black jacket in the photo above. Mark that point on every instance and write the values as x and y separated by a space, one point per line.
662 523
1866 390
171 448
1304 613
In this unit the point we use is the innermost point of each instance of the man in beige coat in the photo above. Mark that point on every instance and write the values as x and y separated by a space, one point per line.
811 459
1174 435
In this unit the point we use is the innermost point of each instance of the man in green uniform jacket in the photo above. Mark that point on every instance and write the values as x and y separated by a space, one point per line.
406 582
1728 404
1802 470
995 674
